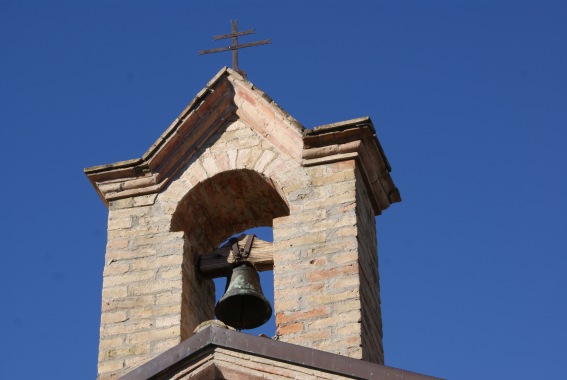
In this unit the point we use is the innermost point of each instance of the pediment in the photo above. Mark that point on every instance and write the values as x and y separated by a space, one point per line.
226 98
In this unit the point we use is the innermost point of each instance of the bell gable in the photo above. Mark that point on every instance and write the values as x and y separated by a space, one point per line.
231 161
228 97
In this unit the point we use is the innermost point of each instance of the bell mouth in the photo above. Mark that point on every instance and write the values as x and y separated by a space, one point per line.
244 306
243 312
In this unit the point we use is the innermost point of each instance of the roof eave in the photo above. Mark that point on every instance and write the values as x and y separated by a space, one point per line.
306 357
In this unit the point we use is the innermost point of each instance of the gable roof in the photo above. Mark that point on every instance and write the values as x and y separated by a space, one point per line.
203 356
227 98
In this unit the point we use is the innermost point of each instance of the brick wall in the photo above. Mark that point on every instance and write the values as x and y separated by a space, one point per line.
153 296
371 315
234 160
324 273
141 288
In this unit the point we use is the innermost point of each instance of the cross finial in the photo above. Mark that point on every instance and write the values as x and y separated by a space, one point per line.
235 46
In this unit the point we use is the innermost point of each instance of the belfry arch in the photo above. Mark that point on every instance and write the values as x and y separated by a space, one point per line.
211 212
227 203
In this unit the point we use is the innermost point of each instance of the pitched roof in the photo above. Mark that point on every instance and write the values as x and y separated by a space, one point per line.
216 352
226 98
228 95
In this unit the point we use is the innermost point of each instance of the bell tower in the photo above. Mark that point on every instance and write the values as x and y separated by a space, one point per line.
233 160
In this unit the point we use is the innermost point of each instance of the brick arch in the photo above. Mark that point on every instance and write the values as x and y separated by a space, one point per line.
237 146
225 204
212 211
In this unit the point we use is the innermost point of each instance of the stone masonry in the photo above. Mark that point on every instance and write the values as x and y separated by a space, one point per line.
234 160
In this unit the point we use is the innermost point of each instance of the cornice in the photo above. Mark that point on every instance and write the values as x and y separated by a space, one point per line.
354 140
227 97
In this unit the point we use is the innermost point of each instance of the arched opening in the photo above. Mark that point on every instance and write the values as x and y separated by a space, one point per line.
210 213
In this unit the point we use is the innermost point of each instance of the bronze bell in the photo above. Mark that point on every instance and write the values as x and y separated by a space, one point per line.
243 305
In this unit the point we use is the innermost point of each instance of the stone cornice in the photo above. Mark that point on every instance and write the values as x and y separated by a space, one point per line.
354 139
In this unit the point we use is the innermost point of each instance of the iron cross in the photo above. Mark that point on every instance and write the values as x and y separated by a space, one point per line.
235 46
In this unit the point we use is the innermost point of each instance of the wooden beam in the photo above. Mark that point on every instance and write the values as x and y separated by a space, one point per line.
219 263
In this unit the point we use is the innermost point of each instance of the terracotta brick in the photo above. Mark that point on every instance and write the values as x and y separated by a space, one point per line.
121 204
345 282
198 172
353 329
106 344
157 240
254 155
143 312
210 166
129 278
232 154
119 223
290 304
330 298
170 273
114 292
170 297
343 165
152 287
346 306
292 290
329 273
118 316
337 321
291 328
110 366
116 267
138 253
309 337
302 315
124 351
246 95
221 161
117 244
126 328
144 200
339 200
347 231
114 304
263 160
168 321
319 261
305 240
157 262
333 178
345 257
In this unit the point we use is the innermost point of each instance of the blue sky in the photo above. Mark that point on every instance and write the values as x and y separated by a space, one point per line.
469 99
